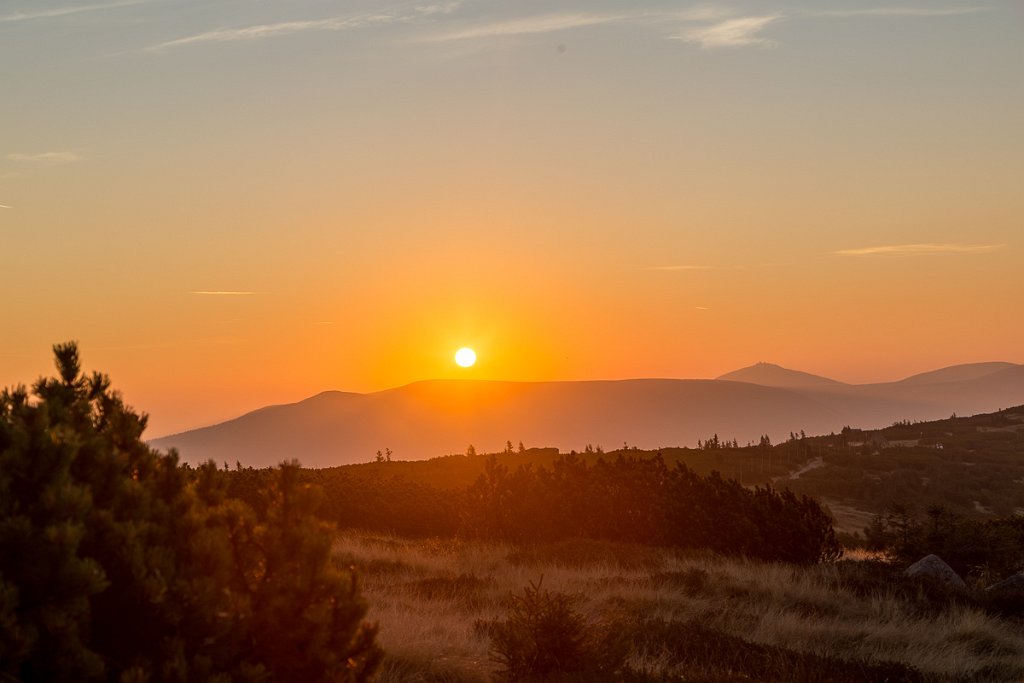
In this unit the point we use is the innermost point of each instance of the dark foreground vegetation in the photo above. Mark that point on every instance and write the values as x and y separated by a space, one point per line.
117 564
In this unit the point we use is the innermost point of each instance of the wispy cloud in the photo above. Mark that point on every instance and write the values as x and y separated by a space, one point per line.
271 30
739 32
341 23
705 13
678 267
899 12
5 206
438 8
716 26
63 11
46 158
545 23
549 23
702 308
921 249
222 293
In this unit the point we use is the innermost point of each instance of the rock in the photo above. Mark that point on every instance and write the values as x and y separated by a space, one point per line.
934 568
1014 584
1007 596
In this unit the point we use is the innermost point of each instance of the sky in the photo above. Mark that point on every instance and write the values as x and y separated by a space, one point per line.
235 203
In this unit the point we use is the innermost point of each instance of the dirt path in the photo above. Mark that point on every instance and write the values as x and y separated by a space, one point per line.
812 465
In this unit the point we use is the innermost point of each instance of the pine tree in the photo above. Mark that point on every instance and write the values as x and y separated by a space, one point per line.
116 563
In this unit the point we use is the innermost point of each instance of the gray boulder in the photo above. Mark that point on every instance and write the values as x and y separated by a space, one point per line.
1014 584
934 568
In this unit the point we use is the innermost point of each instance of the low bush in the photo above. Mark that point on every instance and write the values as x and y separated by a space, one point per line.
544 636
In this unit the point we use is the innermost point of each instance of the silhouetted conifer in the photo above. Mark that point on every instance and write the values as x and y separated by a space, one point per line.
117 564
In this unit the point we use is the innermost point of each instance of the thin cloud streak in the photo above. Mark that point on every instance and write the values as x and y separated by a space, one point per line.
222 293
921 249
288 27
739 32
46 158
4 206
900 12
546 23
64 11
271 30
726 32
549 23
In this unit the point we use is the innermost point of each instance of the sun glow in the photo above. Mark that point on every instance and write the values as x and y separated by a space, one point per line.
465 357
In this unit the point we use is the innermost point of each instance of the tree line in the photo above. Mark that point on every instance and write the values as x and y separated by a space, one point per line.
642 500
623 499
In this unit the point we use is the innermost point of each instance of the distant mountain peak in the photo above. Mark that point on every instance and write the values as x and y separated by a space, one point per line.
772 375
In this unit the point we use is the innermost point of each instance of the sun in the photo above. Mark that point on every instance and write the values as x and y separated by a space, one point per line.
465 357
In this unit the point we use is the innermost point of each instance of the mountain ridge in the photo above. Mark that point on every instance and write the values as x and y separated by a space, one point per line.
435 417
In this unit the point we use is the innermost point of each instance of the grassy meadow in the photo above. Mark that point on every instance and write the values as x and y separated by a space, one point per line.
433 600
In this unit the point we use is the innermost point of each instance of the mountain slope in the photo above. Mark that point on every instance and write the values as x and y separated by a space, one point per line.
771 375
432 418
958 373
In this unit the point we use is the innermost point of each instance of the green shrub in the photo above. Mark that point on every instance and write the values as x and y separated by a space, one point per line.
544 636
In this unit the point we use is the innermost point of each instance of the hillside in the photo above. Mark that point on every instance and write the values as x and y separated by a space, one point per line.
432 418
426 419
972 466
958 373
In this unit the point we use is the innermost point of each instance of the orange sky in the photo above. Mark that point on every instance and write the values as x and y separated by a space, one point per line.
576 191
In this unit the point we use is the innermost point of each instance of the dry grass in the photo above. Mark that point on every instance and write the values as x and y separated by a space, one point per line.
848 519
428 595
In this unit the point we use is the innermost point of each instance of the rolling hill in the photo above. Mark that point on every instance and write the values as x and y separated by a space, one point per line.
958 373
431 418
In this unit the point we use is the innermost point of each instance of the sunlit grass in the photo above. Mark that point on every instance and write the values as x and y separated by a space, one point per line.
428 596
